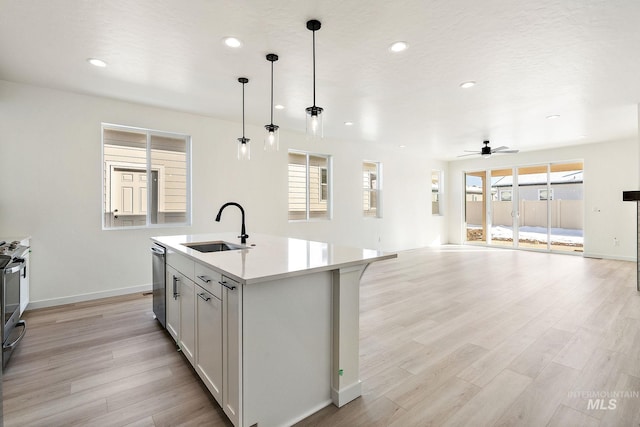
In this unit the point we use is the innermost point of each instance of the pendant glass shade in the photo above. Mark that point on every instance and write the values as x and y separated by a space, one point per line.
244 144
272 136
314 122
314 113
244 148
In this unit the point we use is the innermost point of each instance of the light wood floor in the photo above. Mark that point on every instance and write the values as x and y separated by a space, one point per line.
456 336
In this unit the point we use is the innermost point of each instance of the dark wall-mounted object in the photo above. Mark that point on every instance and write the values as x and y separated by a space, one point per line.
634 196
630 196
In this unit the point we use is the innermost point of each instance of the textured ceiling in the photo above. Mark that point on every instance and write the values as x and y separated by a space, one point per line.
530 59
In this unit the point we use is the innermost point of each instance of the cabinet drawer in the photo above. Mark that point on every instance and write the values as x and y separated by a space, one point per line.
208 279
181 263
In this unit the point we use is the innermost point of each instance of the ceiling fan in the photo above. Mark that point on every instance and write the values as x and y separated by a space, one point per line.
488 151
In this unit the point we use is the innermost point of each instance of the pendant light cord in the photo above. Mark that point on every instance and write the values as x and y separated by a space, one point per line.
272 93
242 110
314 68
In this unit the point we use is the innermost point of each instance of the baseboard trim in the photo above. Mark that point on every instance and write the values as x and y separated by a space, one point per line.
88 297
605 256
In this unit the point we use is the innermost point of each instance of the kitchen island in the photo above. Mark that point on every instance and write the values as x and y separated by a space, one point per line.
272 326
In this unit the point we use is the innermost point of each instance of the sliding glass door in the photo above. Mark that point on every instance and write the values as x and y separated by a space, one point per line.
537 207
475 207
566 201
533 208
502 212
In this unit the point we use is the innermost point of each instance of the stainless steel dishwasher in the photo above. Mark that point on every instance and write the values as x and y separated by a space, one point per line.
159 277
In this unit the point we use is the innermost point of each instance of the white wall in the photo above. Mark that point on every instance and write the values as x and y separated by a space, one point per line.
609 169
50 169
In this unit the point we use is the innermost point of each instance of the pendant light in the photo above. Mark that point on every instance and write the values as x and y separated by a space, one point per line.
314 113
271 139
244 144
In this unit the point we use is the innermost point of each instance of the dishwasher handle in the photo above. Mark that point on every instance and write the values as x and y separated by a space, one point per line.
156 250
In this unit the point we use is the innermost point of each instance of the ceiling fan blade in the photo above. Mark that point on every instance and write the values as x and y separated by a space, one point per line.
470 154
472 151
499 149
509 151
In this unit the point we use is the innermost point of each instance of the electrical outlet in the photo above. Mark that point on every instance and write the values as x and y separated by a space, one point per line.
616 242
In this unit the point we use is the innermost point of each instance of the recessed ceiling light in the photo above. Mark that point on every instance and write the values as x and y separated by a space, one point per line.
97 62
402 146
398 46
467 85
553 116
348 123
279 107
232 42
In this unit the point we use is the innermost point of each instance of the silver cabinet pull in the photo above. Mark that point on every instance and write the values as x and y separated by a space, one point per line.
205 279
175 287
204 297
223 283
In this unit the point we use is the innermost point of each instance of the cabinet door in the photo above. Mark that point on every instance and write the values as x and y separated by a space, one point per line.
172 302
232 350
209 341
187 337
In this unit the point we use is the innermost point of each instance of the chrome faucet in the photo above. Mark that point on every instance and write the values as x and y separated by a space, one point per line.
243 232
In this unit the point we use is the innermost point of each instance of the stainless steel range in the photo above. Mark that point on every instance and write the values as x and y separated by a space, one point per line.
13 267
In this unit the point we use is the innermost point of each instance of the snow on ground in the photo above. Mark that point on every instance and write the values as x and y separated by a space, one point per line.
539 234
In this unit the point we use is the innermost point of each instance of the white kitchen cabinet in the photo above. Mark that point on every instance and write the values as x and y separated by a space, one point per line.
209 340
290 323
187 335
232 350
172 302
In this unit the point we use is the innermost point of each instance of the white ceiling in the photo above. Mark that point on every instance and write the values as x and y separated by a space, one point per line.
530 59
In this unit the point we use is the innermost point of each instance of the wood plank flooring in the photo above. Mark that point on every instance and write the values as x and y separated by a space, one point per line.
449 336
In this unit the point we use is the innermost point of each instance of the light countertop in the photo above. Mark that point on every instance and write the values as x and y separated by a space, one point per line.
271 257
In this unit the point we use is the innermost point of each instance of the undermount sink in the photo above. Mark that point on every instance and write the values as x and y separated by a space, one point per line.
216 246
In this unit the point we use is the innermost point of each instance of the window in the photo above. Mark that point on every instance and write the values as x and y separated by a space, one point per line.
436 192
146 178
309 186
324 182
371 187
506 195
544 194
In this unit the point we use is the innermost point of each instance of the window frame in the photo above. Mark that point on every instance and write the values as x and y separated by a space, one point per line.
328 185
149 133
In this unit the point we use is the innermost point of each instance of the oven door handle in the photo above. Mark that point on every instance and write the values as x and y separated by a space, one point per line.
13 268
9 347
